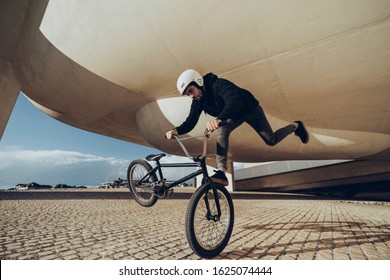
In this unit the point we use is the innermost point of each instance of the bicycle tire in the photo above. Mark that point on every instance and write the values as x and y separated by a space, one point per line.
202 233
136 171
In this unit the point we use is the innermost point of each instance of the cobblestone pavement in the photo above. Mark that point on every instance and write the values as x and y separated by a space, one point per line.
103 224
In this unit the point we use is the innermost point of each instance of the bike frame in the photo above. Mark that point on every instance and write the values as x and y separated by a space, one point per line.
158 170
199 161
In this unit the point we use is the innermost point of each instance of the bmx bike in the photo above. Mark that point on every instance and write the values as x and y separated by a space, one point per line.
210 213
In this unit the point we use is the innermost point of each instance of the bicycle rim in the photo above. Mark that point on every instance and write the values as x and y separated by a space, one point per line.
206 236
137 171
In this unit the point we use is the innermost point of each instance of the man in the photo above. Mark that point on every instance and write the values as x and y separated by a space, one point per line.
224 100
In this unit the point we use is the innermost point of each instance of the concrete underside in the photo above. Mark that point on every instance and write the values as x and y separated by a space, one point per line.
347 178
111 68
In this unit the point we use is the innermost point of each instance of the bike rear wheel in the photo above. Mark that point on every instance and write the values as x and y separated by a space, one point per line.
141 193
207 236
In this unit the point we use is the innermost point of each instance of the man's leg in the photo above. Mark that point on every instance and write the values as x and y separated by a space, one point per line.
222 151
223 143
259 122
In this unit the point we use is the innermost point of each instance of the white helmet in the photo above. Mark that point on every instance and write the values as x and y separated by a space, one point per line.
188 77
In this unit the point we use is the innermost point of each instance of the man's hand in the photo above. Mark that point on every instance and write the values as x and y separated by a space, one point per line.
213 125
169 134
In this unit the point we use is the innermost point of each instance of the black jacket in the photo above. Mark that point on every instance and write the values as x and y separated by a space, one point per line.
221 99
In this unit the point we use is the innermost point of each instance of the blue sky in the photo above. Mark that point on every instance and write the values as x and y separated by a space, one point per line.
38 148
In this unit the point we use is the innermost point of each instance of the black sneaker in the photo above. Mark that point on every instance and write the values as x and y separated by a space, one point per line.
220 178
302 133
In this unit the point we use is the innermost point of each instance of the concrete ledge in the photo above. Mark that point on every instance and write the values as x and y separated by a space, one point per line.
319 177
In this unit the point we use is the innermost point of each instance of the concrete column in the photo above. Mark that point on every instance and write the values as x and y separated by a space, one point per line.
9 91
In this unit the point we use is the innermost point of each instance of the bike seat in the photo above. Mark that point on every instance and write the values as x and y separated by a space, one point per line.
155 157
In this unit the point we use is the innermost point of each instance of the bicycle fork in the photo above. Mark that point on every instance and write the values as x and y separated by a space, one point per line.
209 181
210 215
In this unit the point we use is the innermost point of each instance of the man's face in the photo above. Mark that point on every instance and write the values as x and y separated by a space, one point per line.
193 92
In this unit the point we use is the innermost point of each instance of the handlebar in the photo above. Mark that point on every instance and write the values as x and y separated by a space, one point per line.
222 123
206 132
205 136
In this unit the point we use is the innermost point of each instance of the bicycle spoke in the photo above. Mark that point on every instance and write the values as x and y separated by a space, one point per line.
211 233
138 172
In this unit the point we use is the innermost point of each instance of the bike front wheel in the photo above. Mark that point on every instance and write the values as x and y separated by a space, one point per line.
142 193
207 233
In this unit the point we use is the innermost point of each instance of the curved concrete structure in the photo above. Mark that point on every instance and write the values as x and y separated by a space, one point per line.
111 68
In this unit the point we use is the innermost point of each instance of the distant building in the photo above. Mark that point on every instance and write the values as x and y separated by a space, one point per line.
117 184
120 183
32 186
106 185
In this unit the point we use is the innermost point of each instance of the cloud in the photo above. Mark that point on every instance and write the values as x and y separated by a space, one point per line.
51 166
175 173
75 168
176 159
55 157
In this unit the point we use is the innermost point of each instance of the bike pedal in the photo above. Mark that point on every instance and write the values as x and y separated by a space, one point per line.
169 193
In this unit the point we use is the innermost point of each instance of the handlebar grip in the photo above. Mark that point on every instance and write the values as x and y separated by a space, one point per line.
225 122
174 136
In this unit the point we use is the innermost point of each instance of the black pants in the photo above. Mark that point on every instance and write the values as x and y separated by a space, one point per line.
260 124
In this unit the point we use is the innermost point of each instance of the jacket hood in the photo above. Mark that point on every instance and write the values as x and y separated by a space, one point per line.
209 79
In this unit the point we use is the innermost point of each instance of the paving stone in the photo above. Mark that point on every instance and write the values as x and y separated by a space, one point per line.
109 225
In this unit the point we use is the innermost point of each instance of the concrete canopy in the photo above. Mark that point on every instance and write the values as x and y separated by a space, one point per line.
111 68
